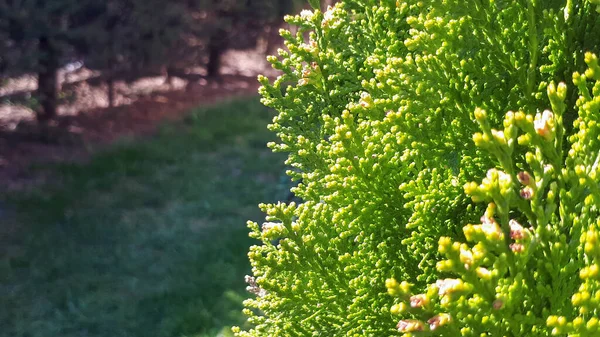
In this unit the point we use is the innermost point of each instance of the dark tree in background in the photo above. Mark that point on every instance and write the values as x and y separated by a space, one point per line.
237 24
126 39
41 33
136 36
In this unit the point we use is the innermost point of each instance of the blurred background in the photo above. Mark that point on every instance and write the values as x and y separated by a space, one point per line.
132 152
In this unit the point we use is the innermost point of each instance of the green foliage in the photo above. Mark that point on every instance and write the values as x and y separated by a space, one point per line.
24 23
132 34
378 103
539 230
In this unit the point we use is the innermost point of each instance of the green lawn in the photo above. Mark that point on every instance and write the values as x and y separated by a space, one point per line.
149 238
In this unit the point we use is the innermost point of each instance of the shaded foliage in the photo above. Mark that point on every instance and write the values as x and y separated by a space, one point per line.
125 39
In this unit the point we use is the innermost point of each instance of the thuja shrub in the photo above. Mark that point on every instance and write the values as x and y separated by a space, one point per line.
446 155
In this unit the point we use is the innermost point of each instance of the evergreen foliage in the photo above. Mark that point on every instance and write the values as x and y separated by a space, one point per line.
124 38
37 36
389 110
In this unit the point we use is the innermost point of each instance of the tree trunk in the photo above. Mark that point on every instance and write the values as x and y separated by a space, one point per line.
110 83
170 72
47 80
216 47
274 40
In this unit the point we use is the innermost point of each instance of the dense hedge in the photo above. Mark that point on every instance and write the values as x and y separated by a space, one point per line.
389 110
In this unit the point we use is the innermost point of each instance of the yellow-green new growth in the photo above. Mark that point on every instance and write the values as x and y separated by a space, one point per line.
519 279
389 111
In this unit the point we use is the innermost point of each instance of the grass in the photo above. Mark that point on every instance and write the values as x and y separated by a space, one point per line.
149 238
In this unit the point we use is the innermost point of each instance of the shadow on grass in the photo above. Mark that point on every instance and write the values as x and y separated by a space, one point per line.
148 239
